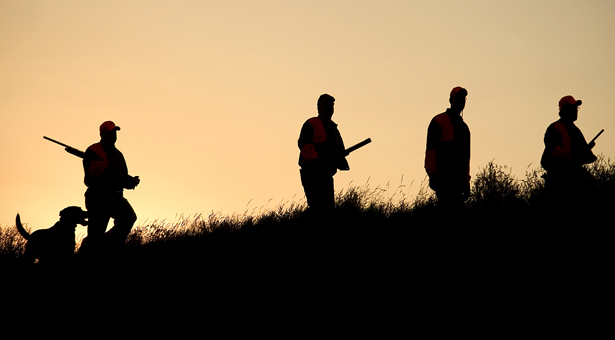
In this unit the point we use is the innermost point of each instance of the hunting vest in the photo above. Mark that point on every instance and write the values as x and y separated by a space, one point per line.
319 136
448 135
563 150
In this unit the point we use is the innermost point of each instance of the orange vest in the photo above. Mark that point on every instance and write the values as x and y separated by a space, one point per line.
448 134
98 166
563 150
308 151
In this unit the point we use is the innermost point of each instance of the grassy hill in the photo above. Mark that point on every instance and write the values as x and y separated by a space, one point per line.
510 243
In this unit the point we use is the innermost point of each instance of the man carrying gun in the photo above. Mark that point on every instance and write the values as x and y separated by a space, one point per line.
106 176
565 153
322 154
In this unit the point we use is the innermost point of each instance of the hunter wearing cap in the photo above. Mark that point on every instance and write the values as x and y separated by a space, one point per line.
447 156
106 176
322 153
566 150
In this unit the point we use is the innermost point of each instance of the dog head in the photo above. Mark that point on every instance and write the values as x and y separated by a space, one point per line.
74 215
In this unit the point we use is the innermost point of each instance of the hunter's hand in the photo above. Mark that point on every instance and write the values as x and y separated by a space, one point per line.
134 181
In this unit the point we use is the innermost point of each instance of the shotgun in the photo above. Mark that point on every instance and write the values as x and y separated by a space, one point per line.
598 135
68 148
358 145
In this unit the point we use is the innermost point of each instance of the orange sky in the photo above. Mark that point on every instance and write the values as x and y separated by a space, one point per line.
211 95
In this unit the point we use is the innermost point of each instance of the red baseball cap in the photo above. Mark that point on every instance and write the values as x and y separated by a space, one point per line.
459 90
569 100
108 126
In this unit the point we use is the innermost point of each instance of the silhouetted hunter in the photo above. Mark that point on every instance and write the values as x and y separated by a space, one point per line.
447 158
322 154
566 151
106 180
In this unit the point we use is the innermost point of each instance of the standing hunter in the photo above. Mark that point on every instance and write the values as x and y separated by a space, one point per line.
447 158
106 176
322 154
565 153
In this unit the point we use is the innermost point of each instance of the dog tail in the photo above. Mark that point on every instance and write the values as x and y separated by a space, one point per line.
20 228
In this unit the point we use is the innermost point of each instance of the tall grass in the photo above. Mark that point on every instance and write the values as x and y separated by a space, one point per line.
497 198
12 244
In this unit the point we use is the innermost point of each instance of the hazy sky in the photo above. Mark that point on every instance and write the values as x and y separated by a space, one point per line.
211 95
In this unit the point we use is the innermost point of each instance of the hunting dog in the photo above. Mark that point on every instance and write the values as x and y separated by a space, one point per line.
55 245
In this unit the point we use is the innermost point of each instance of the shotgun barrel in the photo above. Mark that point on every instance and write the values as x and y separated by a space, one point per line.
598 135
68 148
358 145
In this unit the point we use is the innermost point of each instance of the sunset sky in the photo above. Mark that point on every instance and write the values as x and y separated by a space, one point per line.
211 95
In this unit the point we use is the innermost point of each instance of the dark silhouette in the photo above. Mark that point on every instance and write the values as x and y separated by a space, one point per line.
106 180
68 148
565 153
357 146
56 245
322 154
447 158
